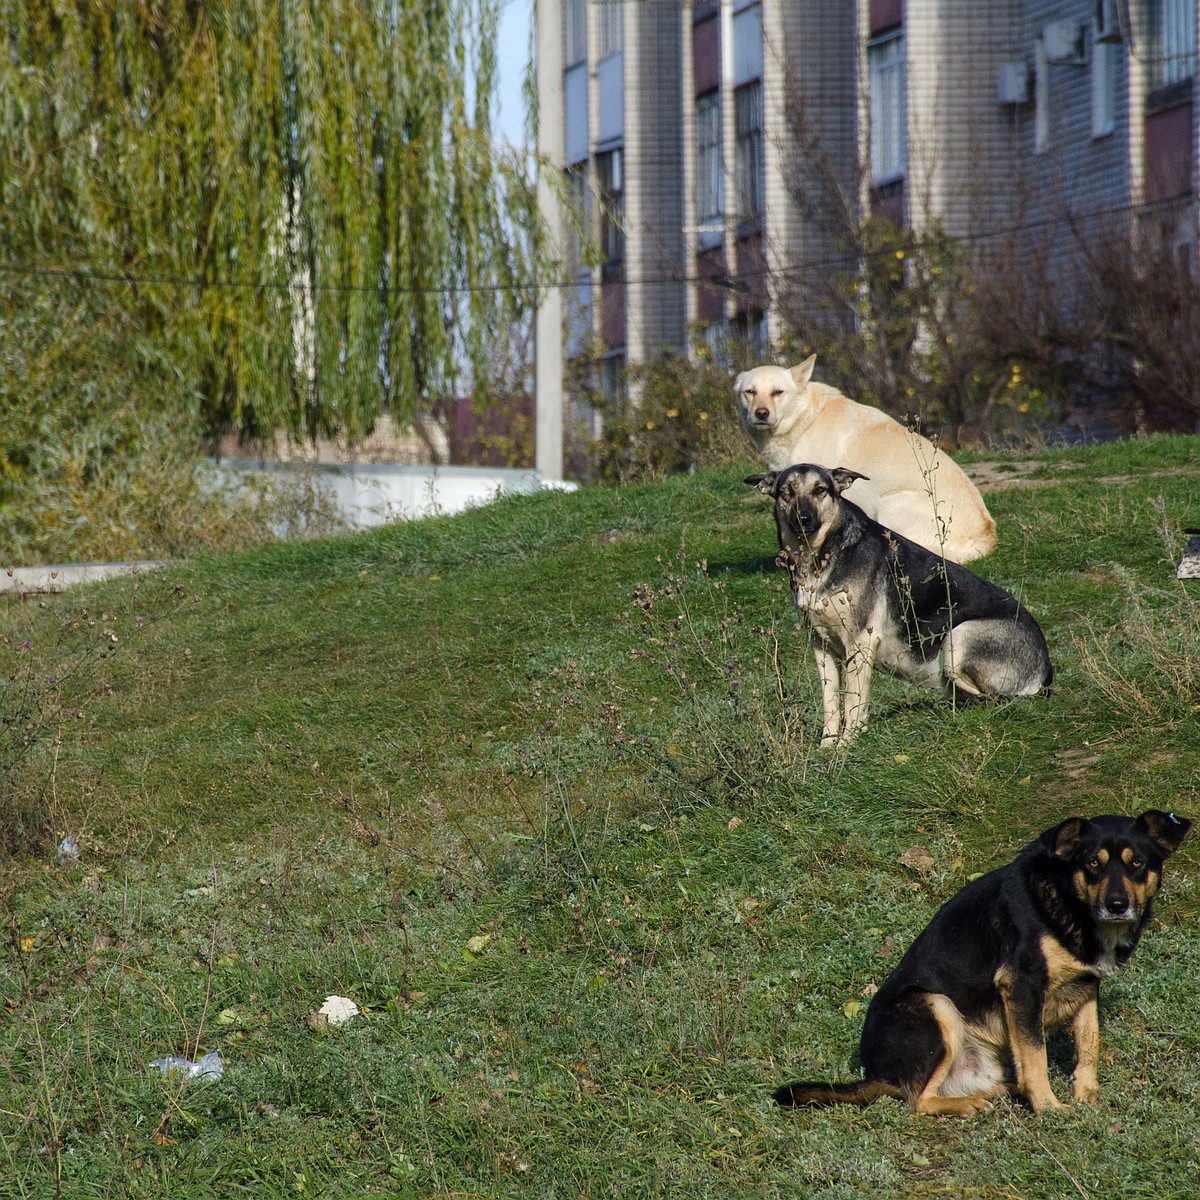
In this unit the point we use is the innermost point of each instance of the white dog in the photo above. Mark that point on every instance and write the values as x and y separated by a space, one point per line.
911 486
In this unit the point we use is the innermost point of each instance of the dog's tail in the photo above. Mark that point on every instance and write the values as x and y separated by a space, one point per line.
862 1093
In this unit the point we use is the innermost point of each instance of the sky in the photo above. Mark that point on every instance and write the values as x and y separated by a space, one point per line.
513 55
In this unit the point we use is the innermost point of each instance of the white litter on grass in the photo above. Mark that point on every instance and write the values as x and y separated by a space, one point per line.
208 1067
1189 564
338 1009
68 851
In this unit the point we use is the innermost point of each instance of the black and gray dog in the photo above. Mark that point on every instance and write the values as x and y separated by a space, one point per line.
872 598
1019 951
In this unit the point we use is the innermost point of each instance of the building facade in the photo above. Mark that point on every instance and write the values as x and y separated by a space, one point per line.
715 145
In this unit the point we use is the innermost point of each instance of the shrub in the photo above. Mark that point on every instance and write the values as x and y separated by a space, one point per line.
670 415
909 327
100 449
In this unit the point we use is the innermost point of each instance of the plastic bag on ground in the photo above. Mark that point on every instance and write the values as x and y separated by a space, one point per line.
208 1067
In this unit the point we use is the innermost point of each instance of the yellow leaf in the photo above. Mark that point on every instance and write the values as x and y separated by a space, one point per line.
28 943
852 1008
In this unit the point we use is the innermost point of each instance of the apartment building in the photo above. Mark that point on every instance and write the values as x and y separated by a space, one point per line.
723 135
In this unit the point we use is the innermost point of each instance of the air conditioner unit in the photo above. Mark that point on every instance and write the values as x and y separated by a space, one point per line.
1065 42
1012 83
1108 22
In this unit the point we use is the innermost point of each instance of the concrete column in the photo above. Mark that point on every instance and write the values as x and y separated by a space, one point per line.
548 327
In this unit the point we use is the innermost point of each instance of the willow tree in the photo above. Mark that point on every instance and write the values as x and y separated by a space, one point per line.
300 200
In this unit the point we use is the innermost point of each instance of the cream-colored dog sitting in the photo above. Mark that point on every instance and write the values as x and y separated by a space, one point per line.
911 486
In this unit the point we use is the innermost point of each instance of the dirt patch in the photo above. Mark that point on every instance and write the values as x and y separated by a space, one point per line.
1121 480
998 476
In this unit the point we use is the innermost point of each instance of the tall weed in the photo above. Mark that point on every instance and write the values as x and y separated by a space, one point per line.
734 721
1147 666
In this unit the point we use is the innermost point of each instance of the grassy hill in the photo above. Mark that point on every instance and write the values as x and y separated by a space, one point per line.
538 787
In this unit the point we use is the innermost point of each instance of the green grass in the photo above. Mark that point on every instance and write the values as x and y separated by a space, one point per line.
581 729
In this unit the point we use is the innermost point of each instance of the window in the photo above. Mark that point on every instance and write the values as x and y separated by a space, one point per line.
747 45
578 211
610 27
1041 97
612 381
1104 103
576 31
885 61
751 328
749 172
710 191
609 172
575 113
1172 41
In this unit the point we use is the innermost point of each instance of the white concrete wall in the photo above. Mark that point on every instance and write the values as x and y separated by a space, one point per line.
374 494
366 495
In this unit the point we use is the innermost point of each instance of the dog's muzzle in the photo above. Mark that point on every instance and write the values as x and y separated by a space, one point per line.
1116 907
802 522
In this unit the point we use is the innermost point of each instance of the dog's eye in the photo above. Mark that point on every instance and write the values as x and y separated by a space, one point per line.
1093 864
820 490
1136 864
776 392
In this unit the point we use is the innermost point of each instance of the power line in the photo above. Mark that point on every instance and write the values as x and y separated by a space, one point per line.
84 272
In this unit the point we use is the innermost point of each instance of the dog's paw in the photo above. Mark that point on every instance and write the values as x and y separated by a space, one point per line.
1087 1093
953 1106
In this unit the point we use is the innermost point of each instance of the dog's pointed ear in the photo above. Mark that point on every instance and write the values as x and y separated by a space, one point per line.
764 483
843 477
1062 839
1165 830
802 372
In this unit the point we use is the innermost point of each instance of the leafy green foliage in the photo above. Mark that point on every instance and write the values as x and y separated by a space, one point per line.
100 450
299 204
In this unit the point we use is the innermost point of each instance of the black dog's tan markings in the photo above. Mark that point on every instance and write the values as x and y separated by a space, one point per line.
874 599
1020 951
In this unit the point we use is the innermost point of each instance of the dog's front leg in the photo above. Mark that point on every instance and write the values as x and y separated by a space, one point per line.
1085 1082
829 669
857 695
1023 997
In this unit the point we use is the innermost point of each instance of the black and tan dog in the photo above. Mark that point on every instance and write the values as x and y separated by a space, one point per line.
875 599
1020 951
